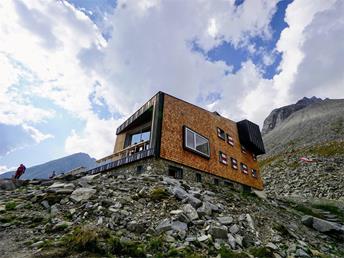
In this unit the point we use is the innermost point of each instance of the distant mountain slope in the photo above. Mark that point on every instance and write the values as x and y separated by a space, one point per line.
61 165
320 122
277 116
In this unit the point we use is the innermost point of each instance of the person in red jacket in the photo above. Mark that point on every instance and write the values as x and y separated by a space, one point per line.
20 170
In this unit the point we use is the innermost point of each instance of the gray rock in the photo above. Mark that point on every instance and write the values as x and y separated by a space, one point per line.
194 201
45 204
218 231
54 210
323 226
205 209
239 239
250 221
225 220
234 229
163 226
171 181
179 192
136 227
301 253
190 212
271 246
231 241
179 226
82 194
203 238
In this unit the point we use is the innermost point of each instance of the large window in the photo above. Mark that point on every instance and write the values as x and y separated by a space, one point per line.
196 142
137 137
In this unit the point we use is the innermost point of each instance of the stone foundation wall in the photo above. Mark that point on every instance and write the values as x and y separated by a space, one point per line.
160 166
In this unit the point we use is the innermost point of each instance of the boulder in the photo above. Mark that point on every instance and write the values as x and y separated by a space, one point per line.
234 229
194 201
164 225
179 192
190 212
179 226
205 209
231 241
136 227
82 194
218 231
226 220
323 226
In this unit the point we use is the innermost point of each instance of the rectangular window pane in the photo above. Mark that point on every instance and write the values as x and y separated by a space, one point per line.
190 142
202 144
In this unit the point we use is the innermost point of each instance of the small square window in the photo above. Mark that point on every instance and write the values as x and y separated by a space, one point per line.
254 173
221 134
243 150
254 156
230 140
175 172
234 163
216 181
198 178
139 169
244 168
223 158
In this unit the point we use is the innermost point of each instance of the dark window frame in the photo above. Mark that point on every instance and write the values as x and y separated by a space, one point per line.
198 178
202 154
177 171
242 168
233 164
230 139
220 132
221 158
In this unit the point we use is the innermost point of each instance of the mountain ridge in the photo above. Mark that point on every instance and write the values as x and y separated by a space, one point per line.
60 165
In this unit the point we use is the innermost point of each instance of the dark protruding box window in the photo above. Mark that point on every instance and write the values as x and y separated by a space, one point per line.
230 140
221 134
254 173
223 158
196 142
175 172
234 163
244 168
198 177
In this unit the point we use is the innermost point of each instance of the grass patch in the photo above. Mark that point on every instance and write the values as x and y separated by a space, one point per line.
262 252
126 248
329 149
330 208
10 206
227 253
306 210
8 218
83 239
158 194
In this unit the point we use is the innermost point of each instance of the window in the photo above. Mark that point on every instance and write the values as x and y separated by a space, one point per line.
234 163
243 149
137 137
196 142
216 181
198 178
254 173
254 156
175 172
139 169
221 134
243 168
223 158
230 140
227 183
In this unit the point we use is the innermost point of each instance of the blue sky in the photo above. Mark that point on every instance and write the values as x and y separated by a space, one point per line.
72 71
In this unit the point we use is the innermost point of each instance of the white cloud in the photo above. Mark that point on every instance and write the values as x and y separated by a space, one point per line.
4 169
35 134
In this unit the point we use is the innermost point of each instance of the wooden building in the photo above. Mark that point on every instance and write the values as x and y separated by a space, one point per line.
190 141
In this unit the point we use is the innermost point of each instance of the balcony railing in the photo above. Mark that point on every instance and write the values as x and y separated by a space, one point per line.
130 154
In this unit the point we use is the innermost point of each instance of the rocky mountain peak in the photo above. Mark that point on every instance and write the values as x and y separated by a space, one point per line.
277 116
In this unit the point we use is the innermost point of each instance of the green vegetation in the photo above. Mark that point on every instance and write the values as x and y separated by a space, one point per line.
227 253
329 149
331 208
10 206
126 248
262 252
158 194
83 239
338 126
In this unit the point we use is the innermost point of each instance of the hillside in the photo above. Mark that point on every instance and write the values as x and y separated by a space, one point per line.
317 123
148 215
61 165
305 153
277 116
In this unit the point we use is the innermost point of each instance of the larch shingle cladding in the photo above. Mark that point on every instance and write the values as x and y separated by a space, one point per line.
176 114
119 145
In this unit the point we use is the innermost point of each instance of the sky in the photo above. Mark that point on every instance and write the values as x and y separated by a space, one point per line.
71 71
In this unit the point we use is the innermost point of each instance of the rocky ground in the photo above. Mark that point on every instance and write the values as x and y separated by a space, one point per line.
286 175
116 215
